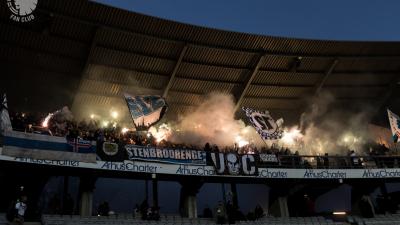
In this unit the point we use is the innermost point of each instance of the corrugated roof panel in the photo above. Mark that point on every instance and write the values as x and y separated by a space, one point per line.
290 116
85 101
265 103
376 65
223 57
196 86
359 79
128 77
72 29
308 64
355 92
177 110
22 56
184 98
381 48
214 73
114 90
288 78
368 65
37 42
132 61
280 63
271 91
139 44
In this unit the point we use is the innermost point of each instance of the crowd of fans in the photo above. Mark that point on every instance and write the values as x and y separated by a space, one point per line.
61 124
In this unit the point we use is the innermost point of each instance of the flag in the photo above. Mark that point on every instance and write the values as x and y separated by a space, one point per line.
146 110
394 121
80 146
45 147
265 125
5 122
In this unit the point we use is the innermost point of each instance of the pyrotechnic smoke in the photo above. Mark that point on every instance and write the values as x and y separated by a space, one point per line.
46 120
63 114
162 133
213 121
334 131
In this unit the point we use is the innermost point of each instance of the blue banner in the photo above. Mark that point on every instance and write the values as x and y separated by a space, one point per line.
146 110
38 146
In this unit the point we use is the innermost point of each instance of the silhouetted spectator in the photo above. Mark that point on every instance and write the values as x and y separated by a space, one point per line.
103 209
230 212
220 213
258 212
207 213
326 161
69 205
143 209
55 205
136 211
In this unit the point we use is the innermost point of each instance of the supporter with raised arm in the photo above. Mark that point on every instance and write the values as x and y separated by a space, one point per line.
21 209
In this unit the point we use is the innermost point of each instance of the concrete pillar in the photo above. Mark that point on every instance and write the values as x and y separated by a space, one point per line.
279 207
235 200
86 187
188 200
283 206
361 203
278 198
155 193
146 190
191 206
363 206
188 204
65 193
369 200
86 203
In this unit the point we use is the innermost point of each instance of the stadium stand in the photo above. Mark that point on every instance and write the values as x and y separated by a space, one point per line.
3 220
88 55
172 219
389 219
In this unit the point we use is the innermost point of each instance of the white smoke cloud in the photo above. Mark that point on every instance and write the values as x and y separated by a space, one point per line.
213 121
333 130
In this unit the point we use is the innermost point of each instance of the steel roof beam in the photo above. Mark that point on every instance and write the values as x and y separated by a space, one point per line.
326 76
91 49
247 83
173 74
318 87
87 61
104 95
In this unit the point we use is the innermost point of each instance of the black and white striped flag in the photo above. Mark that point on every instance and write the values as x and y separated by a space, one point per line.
5 123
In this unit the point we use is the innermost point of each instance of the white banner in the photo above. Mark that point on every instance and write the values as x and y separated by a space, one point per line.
179 169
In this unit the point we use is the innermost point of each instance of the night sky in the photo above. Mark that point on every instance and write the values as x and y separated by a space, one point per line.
312 19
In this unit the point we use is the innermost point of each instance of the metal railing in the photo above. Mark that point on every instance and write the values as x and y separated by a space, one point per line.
334 162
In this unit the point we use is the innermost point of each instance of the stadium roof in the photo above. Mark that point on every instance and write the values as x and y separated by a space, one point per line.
82 53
